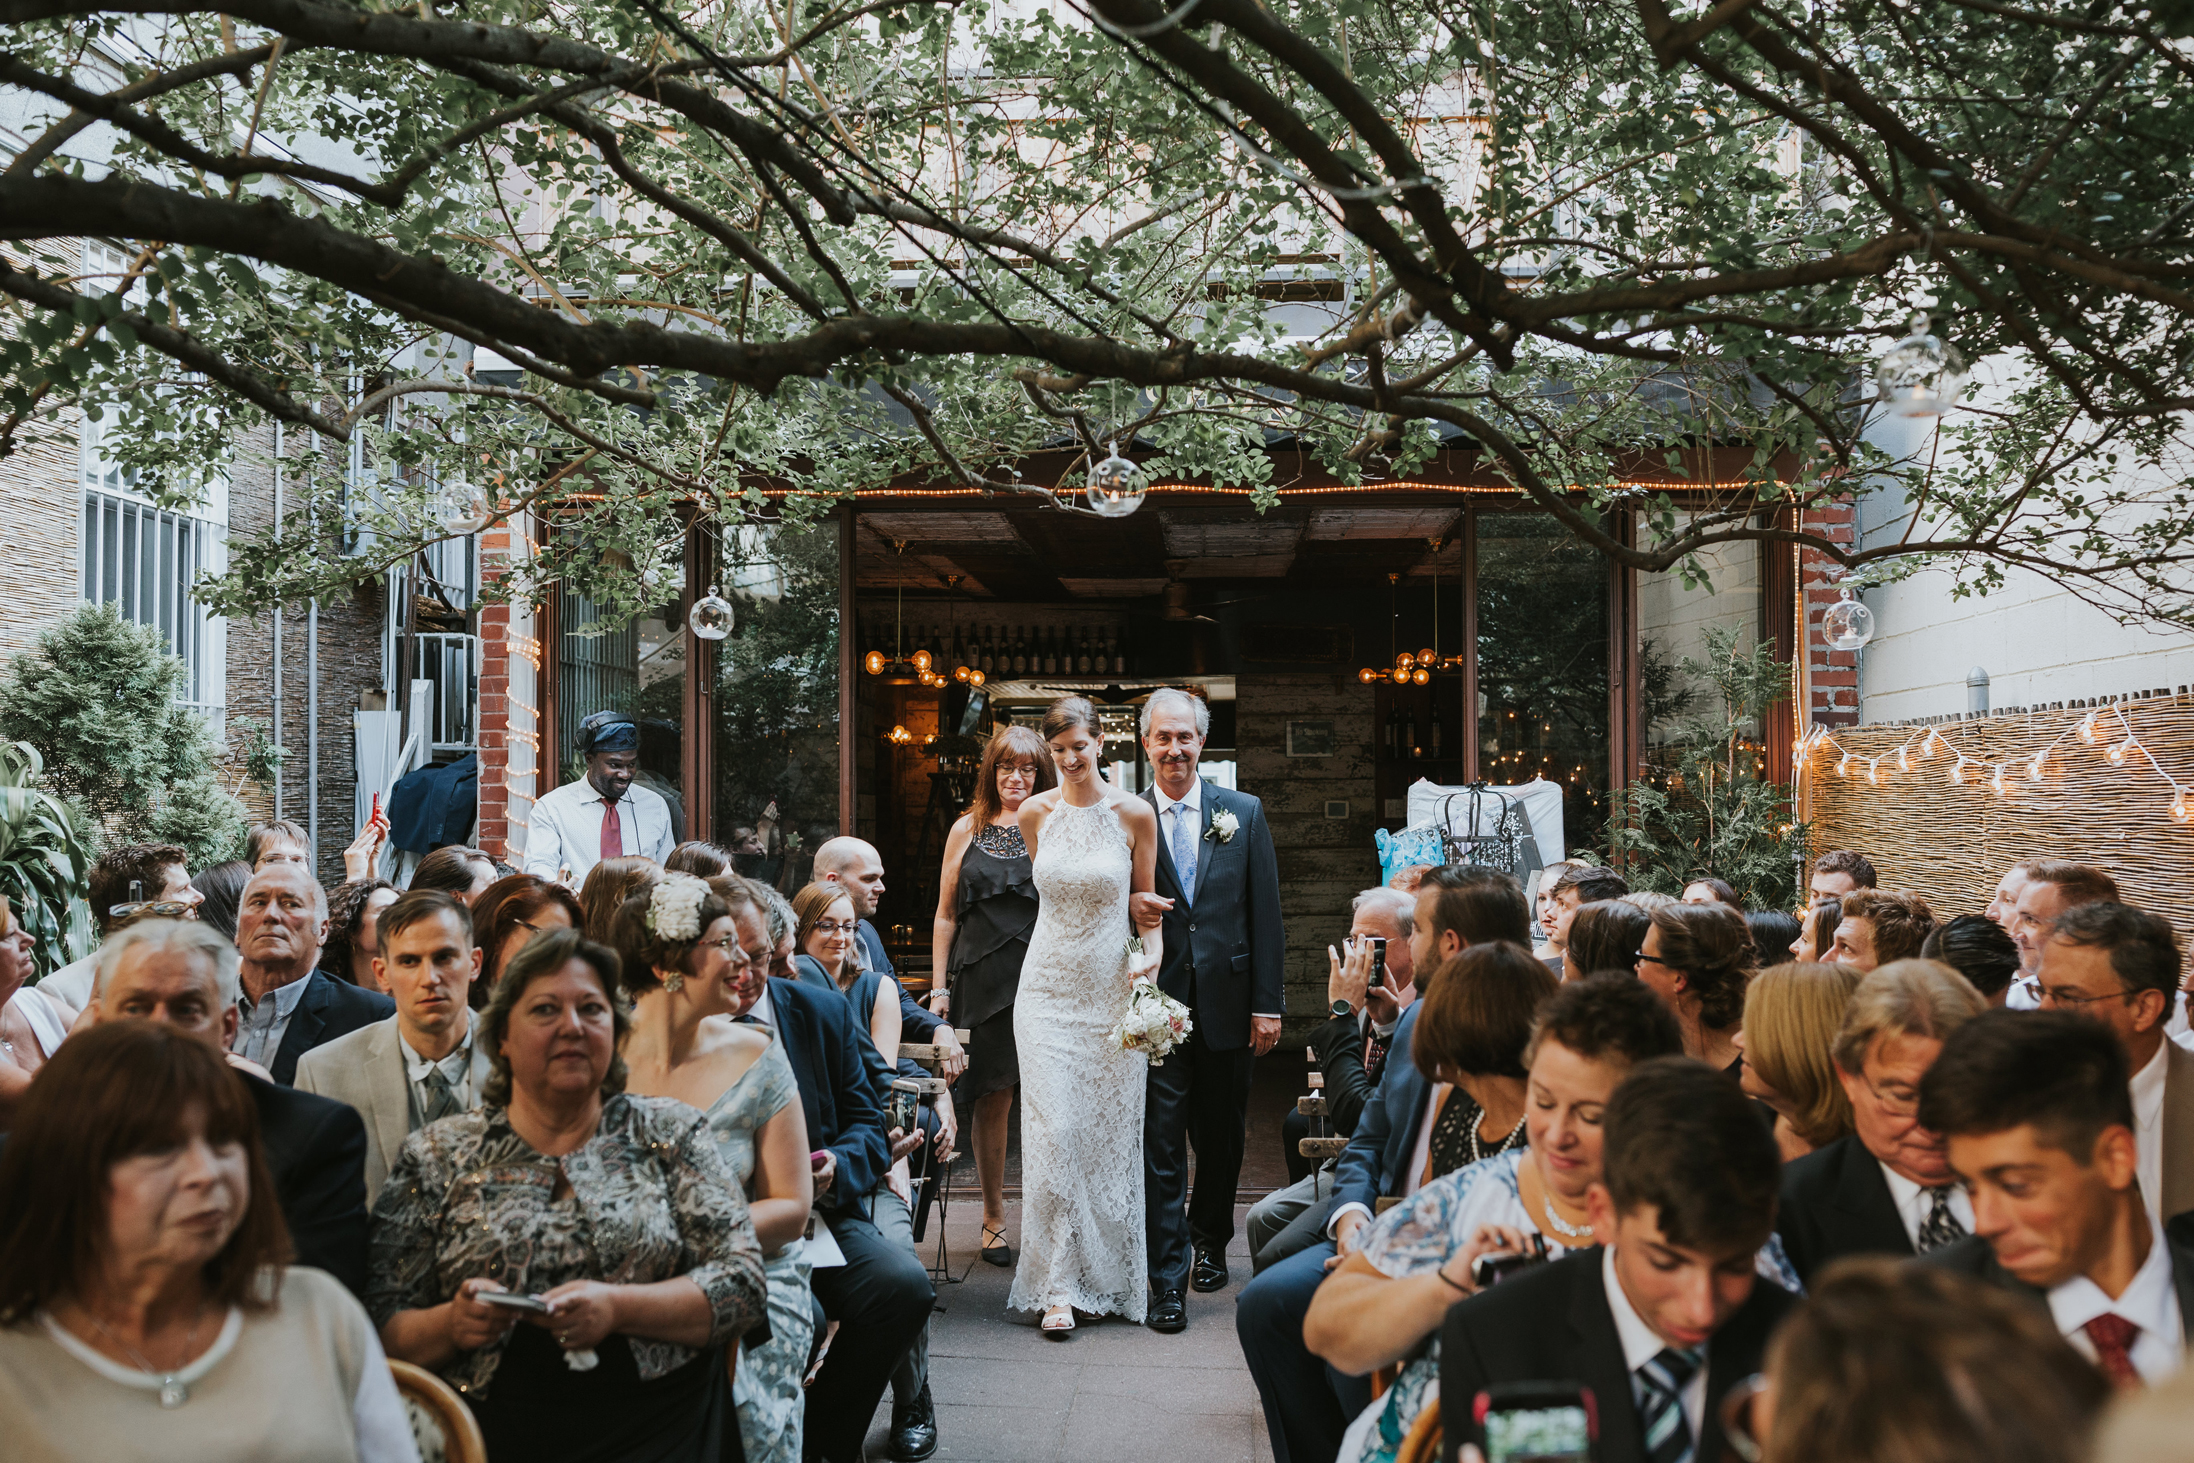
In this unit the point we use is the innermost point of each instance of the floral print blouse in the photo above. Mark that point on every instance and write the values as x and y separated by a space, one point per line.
650 1200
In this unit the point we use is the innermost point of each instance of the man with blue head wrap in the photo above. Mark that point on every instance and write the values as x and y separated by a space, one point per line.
603 815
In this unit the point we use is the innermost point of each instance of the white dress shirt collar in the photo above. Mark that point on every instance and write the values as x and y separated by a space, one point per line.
1194 802
1641 1343
1913 1203
2150 1301
455 1066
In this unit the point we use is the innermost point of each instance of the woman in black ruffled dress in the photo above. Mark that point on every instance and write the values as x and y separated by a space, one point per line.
986 906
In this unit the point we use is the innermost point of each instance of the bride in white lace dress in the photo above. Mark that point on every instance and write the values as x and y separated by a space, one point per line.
1081 1096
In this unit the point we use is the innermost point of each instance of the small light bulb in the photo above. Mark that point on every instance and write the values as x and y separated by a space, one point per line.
1427 658
1957 771
1843 765
873 662
2034 768
1996 783
1904 758
2182 807
2087 728
1420 675
1404 661
976 678
1873 769
1367 675
923 660
2119 749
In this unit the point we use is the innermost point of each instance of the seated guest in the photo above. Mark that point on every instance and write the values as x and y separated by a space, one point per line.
1696 957
2052 886
1666 1314
1817 932
145 1307
1880 926
854 865
1306 1410
512 911
278 842
32 1027
1840 873
1711 890
2039 1121
1887 1189
882 1295
422 1064
1577 887
179 973
1774 931
1891 1363
687 957
1977 948
354 913
1792 1015
608 885
1604 936
464 872
122 877
2118 965
220 890
1352 1048
290 1005
519 1196
1416 1258
702 860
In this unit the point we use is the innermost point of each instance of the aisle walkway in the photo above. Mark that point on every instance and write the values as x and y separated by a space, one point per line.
1114 1393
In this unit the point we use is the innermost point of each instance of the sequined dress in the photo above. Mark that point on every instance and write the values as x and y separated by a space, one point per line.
996 912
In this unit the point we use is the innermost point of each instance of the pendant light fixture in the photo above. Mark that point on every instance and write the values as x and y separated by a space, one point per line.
1411 668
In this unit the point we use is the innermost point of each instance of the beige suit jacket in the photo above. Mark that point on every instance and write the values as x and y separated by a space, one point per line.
366 1070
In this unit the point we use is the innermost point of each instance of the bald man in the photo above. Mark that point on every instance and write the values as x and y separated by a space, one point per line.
289 1005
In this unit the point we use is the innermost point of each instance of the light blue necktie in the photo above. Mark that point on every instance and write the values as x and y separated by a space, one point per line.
1658 1388
1184 851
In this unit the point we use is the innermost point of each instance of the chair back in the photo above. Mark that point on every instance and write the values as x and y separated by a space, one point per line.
441 1423
1421 1444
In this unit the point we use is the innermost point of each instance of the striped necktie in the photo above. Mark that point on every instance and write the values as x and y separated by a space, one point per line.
1658 1388
1941 1227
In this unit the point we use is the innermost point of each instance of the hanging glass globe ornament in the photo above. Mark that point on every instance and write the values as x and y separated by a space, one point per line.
710 618
459 506
1920 375
1848 624
1116 486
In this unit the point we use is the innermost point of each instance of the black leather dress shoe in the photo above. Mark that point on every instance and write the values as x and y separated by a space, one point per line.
914 1428
1209 1273
1168 1313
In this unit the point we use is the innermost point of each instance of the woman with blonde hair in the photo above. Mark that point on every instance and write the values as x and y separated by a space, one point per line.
608 885
986 907
1792 1014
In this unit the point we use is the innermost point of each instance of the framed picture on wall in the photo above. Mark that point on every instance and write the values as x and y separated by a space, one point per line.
1310 739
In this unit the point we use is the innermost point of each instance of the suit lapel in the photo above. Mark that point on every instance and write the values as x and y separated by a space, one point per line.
1166 870
483 1064
1207 847
304 1027
2178 1131
1598 1356
2182 1282
389 1082
1863 1196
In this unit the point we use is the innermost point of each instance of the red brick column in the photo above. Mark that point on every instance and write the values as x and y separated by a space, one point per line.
510 721
1832 676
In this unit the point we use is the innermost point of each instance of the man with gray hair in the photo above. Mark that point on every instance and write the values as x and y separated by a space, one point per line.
184 974
1225 953
289 1005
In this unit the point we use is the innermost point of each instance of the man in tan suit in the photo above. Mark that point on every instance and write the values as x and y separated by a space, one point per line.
2120 965
421 1064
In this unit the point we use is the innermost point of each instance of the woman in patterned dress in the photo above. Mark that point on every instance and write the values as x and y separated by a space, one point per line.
613 1210
986 909
686 1043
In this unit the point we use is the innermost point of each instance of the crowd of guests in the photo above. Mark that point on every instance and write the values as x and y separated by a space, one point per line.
616 1155
1848 1184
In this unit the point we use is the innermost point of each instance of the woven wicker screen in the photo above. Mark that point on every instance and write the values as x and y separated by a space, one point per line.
1950 842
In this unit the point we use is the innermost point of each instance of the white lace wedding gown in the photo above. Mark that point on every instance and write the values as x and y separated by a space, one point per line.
1081 1097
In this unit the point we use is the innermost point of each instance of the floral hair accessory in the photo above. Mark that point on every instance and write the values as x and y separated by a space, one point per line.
674 909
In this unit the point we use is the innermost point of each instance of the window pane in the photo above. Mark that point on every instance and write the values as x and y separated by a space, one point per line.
1543 665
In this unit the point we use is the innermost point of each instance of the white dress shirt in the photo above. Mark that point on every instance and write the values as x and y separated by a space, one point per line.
565 831
1913 1204
2150 1302
1190 809
1641 1343
2148 1130
456 1070
263 1023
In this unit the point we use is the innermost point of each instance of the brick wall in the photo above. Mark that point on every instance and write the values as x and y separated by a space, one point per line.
1832 675
1323 861
41 511
510 707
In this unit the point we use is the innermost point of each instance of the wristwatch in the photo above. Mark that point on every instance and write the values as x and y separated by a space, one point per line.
1343 1008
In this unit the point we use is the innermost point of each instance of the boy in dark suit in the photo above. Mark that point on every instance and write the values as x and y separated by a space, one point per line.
1666 1314
2038 1116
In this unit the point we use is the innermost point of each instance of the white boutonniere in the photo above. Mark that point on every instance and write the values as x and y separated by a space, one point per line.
1224 825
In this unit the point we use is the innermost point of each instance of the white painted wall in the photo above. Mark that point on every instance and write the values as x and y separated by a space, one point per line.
1676 619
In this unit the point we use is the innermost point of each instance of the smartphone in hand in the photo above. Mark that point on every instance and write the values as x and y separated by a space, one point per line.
511 1300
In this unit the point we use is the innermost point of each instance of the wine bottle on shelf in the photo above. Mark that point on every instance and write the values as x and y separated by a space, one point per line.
1434 734
986 659
1410 748
1393 733
1082 657
1020 654
1115 652
1051 652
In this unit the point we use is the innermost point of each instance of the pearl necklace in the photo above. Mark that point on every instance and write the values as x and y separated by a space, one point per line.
1478 1150
1572 1231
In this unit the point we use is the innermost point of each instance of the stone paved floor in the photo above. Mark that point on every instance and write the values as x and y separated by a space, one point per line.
1114 1393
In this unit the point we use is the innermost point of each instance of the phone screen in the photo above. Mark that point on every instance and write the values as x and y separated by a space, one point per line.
1557 1434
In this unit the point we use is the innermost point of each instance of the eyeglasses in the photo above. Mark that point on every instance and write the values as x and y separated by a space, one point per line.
2056 996
1897 1106
728 944
836 927
1657 960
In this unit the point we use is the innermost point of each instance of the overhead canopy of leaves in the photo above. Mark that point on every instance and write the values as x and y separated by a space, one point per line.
827 244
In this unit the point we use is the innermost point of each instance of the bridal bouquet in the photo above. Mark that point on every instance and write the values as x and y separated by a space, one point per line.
1155 1023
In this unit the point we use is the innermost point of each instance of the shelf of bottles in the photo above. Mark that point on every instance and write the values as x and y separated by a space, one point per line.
1001 652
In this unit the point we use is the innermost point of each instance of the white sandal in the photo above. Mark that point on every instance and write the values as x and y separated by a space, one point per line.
1058 1322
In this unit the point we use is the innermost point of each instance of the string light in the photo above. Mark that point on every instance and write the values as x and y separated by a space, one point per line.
1957 772
1996 783
2118 750
2034 768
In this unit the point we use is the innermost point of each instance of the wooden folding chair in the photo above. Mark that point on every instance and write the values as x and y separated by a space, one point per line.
441 1423
1421 1444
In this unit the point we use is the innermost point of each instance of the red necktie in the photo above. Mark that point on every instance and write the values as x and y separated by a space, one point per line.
613 841
2113 1340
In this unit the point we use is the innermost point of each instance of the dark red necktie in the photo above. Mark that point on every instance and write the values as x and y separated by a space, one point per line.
613 841
2113 1340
